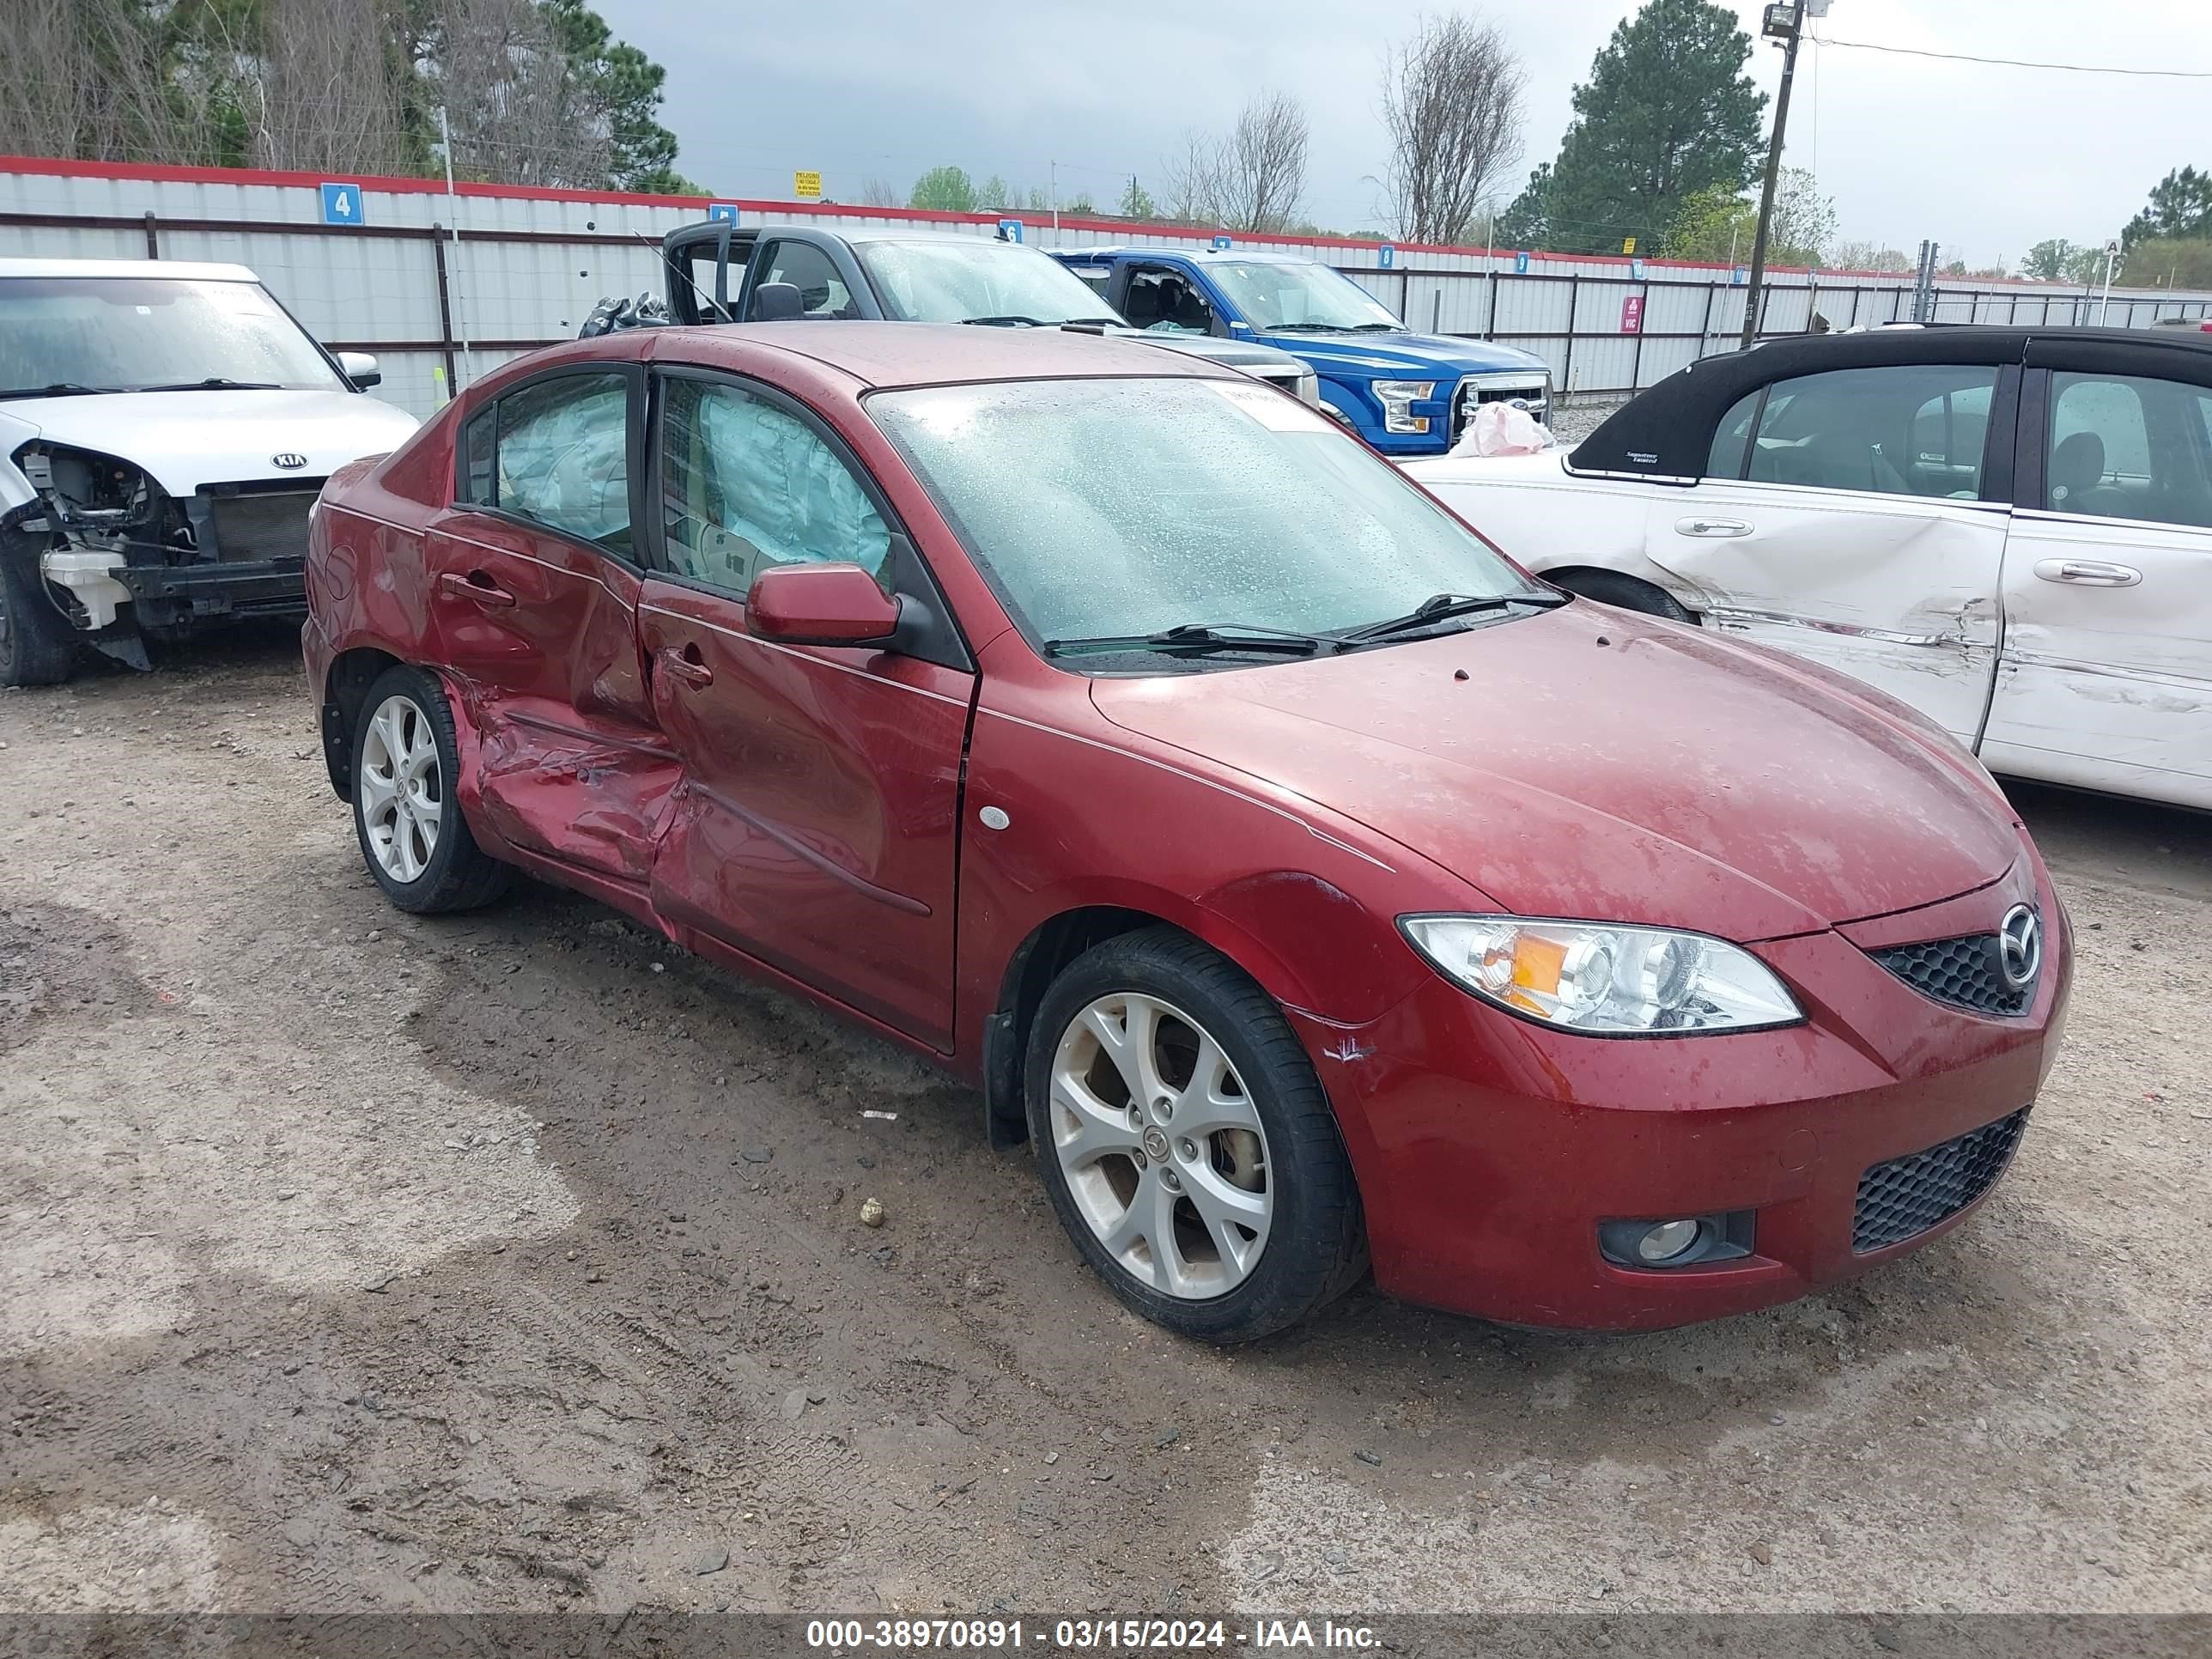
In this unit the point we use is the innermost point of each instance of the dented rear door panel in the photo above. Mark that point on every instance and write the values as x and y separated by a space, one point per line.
541 634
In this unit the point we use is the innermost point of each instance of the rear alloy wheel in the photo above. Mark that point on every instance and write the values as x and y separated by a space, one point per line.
1185 1142
413 837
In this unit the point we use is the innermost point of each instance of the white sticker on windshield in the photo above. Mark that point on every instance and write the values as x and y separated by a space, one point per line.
1276 411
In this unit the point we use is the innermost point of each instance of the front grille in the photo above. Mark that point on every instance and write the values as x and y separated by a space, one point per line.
251 528
1906 1196
1965 973
1472 395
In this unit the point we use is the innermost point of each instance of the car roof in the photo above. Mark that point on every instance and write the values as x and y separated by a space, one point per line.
881 355
1665 432
180 269
1247 256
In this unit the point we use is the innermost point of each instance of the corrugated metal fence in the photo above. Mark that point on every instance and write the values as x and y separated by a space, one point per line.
446 287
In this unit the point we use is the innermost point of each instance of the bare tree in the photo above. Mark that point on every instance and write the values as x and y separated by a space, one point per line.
518 115
85 78
1452 103
1263 164
877 192
327 95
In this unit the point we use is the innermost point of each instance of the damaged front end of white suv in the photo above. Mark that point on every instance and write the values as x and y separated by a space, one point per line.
164 432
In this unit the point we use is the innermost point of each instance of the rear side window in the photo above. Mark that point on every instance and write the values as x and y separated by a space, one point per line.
479 482
1910 429
562 458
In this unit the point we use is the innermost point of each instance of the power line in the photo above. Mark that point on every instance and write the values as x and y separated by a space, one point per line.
2017 63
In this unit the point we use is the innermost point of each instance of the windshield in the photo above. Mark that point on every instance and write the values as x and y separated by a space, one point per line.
1297 296
952 282
124 333
1109 507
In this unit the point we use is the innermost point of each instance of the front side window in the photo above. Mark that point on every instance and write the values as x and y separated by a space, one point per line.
563 457
747 485
136 333
822 291
1104 508
1167 301
2123 447
1908 429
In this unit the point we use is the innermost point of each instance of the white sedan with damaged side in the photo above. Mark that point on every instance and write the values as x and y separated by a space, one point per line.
2008 529
165 430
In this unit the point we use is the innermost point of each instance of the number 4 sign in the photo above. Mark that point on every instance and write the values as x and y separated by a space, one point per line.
342 205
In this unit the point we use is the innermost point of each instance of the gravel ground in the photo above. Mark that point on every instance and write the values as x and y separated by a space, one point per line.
513 1261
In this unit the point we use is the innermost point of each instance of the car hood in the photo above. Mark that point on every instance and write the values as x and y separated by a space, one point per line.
1597 765
1433 356
1237 354
187 439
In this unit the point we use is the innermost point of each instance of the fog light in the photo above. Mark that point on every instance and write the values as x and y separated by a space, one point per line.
1662 1241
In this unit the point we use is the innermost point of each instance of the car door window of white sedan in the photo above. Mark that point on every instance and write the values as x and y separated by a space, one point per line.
2108 596
1902 430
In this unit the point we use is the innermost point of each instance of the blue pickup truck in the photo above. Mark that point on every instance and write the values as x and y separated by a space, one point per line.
1406 394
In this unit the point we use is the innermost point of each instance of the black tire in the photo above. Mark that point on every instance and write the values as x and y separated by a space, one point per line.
38 645
1316 1245
458 875
1630 594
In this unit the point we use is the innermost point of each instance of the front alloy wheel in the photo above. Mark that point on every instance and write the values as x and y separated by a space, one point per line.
1185 1141
1160 1145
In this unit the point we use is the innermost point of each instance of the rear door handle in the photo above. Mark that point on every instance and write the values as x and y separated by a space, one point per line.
474 585
1713 527
2087 573
685 666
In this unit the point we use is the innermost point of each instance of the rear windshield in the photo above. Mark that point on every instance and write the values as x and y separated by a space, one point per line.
1124 507
950 282
126 333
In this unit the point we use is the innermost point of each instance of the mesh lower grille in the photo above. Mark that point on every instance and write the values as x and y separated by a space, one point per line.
1908 1195
1962 972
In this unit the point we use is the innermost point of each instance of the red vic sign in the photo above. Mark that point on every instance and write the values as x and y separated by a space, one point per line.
1631 314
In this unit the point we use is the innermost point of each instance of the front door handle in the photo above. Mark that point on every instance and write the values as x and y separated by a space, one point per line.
1713 527
474 585
2087 573
685 668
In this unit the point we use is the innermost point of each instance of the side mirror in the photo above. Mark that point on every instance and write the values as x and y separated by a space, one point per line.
776 302
360 369
820 604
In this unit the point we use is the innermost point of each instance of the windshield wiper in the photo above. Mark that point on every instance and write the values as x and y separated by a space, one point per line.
1443 607
1301 328
1011 320
1384 328
1093 322
1194 640
214 383
57 389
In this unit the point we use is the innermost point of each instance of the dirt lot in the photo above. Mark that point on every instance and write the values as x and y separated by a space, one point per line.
513 1261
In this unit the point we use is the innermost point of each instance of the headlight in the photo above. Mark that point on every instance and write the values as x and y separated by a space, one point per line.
1604 979
1398 399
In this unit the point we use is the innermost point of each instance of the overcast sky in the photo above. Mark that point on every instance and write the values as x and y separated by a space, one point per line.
1985 159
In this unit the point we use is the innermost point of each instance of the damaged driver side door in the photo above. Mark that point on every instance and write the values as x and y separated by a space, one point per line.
534 580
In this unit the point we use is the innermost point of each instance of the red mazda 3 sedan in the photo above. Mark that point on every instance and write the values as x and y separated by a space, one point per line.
1302 879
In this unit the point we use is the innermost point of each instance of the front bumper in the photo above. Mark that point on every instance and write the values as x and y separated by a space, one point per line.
1489 1150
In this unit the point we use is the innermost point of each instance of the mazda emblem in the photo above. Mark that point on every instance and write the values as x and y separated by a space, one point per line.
2020 947
288 461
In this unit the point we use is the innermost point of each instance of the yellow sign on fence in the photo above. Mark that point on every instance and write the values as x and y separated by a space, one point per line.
807 186
1628 245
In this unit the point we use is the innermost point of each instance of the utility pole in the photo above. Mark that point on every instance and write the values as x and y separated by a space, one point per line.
1052 172
453 212
2112 258
1785 22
